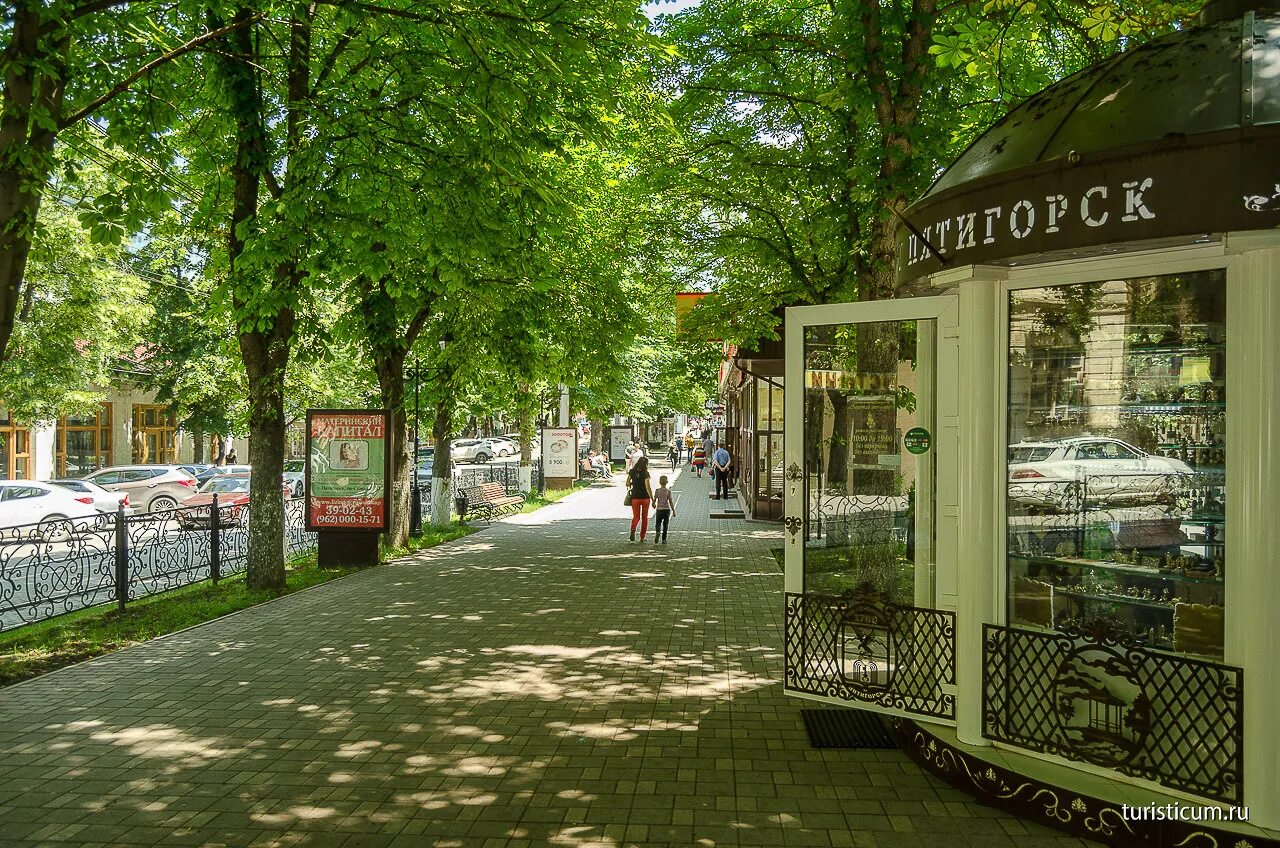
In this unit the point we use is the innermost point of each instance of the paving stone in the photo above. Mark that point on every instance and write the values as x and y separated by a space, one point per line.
543 682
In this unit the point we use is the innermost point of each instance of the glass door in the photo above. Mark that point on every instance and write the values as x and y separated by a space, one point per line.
861 494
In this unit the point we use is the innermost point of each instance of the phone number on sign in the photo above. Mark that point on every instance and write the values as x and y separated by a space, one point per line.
348 513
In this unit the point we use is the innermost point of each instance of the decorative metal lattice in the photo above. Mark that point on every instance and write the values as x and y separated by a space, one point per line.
56 567
1087 694
862 647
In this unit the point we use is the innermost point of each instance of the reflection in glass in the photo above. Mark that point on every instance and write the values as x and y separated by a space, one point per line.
860 395
1117 457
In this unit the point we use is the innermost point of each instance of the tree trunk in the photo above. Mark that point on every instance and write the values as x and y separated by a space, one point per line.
597 434
264 339
266 355
389 366
442 471
30 109
197 447
526 413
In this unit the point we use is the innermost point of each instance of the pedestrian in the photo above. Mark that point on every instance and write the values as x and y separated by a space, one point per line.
720 461
699 459
231 457
664 506
639 495
673 455
601 464
688 446
708 444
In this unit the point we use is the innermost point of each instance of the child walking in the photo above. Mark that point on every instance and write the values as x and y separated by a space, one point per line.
664 506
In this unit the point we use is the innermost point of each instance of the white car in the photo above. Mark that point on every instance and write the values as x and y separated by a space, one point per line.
44 510
477 450
104 501
503 446
1066 474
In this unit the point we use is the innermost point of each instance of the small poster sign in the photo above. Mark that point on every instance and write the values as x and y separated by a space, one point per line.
347 469
560 452
619 440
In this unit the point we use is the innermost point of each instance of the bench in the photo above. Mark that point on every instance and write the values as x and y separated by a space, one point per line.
589 471
489 500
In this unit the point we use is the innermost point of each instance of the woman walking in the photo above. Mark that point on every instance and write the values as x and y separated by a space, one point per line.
699 459
640 494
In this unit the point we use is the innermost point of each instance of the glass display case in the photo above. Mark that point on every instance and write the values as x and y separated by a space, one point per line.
1117 458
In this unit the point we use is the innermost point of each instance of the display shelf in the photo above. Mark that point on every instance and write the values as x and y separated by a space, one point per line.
1123 568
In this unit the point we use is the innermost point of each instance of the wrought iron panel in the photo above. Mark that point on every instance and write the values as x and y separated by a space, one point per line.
298 539
166 551
861 647
1087 694
53 568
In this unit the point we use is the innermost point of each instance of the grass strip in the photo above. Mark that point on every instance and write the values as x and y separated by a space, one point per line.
39 648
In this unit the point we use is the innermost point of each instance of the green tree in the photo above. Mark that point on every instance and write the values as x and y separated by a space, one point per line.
67 62
80 320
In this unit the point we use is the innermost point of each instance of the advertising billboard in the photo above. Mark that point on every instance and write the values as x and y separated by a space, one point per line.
619 439
347 469
560 452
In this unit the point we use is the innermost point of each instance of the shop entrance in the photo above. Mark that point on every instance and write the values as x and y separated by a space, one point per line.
870 489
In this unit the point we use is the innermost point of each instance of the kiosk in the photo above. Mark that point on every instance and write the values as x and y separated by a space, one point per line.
1031 506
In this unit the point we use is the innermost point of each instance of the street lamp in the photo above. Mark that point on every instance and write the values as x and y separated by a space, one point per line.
415 505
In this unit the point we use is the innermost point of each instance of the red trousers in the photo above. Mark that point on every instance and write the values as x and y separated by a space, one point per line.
640 515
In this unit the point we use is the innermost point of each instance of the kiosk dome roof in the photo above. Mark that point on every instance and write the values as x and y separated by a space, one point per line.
1220 76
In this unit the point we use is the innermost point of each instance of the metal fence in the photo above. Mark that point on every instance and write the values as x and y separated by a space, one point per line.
57 567
506 473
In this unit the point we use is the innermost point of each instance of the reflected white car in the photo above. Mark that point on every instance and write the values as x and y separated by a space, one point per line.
1066 474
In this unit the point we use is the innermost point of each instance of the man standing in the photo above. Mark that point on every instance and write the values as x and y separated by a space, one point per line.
720 461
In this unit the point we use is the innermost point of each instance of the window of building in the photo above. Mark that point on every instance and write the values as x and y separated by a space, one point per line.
15 450
84 442
155 435
1117 457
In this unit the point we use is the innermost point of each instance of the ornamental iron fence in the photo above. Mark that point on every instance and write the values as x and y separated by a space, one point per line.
1088 693
862 647
56 567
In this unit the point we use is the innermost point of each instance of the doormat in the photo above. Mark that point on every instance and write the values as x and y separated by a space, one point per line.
846 729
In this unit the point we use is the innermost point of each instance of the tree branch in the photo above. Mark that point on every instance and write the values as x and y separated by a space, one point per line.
123 86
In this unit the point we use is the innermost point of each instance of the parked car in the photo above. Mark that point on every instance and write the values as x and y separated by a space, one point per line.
503 446
535 448
195 469
233 496
104 501
470 450
424 473
151 488
1068 473
218 470
295 471
45 510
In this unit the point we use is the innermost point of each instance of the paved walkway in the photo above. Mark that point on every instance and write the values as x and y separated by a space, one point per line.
543 682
